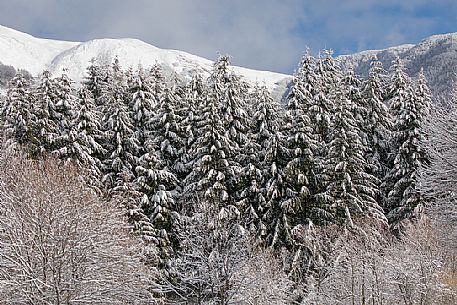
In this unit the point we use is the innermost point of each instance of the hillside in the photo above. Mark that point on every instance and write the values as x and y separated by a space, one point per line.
24 51
436 54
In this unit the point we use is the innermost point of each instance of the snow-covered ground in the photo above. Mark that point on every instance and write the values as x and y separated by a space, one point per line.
24 51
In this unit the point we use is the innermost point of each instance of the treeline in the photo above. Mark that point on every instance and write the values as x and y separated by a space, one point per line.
214 173
8 72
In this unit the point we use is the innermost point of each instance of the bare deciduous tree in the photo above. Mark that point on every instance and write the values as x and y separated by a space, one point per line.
60 243
219 264
413 270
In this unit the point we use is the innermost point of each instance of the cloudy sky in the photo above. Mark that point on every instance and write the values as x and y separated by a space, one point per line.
261 34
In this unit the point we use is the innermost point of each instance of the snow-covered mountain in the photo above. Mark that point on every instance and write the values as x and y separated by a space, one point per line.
436 54
24 51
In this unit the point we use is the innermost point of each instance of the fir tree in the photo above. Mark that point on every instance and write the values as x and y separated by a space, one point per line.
267 118
191 107
192 101
211 172
278 220
423 95
400 89
211 180
230 91
353 84
95 80
305 88
221 124
377 124
17 111
85 139
154 182
302 168
328 79
118 135
350 190
404 199
398 92
157 82
64 114
142 107
45 127
169 134
252 197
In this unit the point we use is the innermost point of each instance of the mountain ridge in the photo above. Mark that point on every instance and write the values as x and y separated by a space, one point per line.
437 54
24 51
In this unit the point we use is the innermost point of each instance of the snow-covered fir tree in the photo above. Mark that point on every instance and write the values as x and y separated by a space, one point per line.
46 126
64 110
305 88
154 182
157 82
404 199
231 92
95 80
130 77
141 106
191 106
279 217
213 176
252 196
353 84
398 92
218 150
16 113
118 135
377 124
423 96
210 177
192 101
85 138
169 135
350 190
328 79
302 169
400 89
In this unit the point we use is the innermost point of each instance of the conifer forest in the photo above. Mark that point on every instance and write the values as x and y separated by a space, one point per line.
138 188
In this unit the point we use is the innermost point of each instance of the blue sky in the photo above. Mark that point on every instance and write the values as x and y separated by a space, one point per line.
261 34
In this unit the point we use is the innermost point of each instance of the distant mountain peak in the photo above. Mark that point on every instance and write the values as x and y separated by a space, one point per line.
24 51
437 54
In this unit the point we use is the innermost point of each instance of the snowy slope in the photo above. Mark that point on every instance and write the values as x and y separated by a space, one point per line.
436 54
357 60
23 51
130 52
